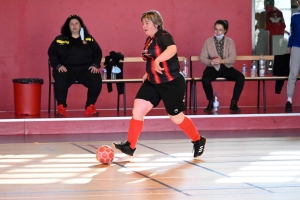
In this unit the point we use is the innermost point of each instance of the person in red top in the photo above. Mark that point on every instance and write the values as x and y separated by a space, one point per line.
275 21
162 81
270 19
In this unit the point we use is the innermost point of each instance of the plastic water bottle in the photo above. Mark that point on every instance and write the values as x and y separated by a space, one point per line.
253 69
104 73
244 70
185 70
216 103
262 66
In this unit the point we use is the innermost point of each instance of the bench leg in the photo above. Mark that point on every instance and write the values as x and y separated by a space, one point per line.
186 94
54 103
191 95
258 93
265 96
195 96
49 97
118 102
124 99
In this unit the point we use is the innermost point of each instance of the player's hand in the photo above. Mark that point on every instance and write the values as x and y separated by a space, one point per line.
62 69
94 69
157 67
216 61
289 49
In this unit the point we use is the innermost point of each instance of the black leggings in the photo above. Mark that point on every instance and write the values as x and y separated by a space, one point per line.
64 80
210 74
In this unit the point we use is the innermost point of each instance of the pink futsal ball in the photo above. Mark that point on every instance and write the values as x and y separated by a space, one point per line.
105 154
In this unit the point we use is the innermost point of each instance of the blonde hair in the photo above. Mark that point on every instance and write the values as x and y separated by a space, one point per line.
155 17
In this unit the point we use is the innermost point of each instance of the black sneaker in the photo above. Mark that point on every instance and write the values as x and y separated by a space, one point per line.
288 107
209 106
125 148
199 146
234 107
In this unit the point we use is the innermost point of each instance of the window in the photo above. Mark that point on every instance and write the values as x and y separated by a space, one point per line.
271 27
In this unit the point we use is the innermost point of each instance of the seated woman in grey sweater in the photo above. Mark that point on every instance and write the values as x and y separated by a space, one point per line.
218 54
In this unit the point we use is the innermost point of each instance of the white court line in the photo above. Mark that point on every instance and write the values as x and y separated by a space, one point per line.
149 117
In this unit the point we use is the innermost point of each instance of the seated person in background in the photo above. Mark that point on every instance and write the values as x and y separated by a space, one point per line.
218 54
75 56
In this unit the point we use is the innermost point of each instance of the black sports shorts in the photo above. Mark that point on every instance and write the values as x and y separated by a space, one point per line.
172 93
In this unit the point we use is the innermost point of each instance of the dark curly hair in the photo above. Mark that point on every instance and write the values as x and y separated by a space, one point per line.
65 29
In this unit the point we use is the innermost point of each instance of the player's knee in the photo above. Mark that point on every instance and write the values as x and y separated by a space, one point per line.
137 114
177 119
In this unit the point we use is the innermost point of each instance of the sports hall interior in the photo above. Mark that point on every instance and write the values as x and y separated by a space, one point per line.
252 154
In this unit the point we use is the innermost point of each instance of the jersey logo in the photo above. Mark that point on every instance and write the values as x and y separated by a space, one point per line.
89 39
62 42
275 19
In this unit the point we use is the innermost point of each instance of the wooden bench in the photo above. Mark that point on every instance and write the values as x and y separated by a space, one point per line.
105 81
193 89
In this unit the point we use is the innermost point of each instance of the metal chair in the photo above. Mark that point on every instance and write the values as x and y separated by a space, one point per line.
52 82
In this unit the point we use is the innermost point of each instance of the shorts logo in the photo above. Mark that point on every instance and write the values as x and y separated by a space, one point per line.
176 111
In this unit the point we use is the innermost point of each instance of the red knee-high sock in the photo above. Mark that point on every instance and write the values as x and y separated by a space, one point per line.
134 130
188 127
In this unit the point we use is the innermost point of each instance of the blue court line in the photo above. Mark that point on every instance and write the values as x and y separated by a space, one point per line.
216 172
139 173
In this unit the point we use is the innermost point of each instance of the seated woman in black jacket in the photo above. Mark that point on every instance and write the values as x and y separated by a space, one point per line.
75 56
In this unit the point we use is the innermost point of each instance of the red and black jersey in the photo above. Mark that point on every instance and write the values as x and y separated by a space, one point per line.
274 21
153 48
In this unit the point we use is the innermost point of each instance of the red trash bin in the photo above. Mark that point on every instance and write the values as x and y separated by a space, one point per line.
27 96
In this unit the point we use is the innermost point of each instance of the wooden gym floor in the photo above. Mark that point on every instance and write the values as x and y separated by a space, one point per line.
235 165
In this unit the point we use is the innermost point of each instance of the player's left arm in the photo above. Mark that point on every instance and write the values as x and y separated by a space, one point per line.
167 43
167 54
